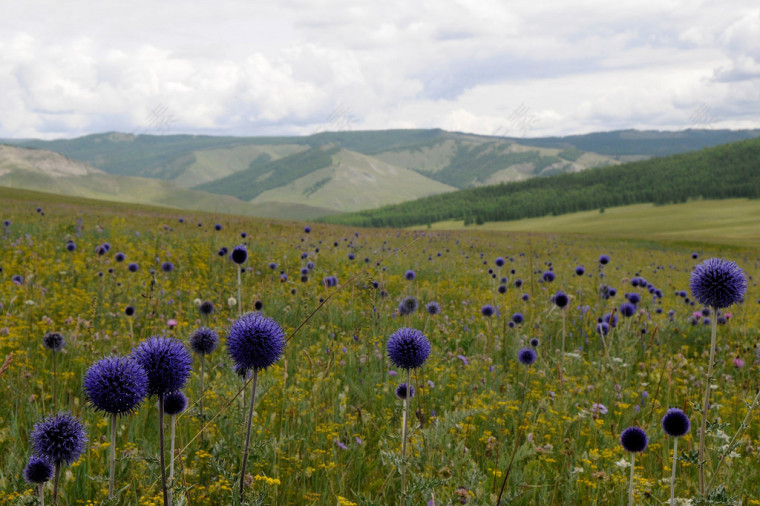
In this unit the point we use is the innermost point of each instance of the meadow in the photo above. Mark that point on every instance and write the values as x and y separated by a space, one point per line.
483 425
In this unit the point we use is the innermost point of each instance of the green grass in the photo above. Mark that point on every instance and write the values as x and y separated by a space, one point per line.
731 221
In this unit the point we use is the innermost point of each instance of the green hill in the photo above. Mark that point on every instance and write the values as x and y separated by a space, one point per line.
727 171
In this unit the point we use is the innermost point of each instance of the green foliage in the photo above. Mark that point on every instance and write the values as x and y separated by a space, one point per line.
727 171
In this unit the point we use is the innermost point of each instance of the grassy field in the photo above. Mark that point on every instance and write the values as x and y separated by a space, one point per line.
731 221
482 427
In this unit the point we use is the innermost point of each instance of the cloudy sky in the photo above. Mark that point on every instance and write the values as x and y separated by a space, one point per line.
295 67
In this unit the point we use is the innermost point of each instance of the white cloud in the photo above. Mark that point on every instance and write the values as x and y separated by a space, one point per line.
248 68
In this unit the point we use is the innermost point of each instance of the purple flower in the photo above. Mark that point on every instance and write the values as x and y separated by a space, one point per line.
116 385
166 362
38 470
634 439
404 391
255 341
463 359
203 341
53 341
59 438
175 403
239 254
408 348
527 356
718 283
675 423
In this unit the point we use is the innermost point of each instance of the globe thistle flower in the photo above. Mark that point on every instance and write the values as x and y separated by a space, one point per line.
258 305
17 279
433 308
175 403
167 266
718 283
675 423
603 328
120 257
526 356
549 276
53 341
487 310
410 275
518 318
116 385
499 262
404 391
561 300
133 267
307 229
408 306
580 270
633 298
408 348
535 342
166 362
203 341
206 307
59 438
502 289
634 439
239 254
71 246
627 309
255 341
38 470
129 310
217 227
604 259
222 251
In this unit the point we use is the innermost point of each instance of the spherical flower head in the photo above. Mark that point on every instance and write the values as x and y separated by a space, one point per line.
518 318
675 423
535 342
222 251
53 341
408 348
59 438
408 306
526 356
129 310
627 309
255 341
206 307
410 275
604 259
175 403
133 267
203 341
239 254
718 283
120 257
307 229
580 270
487 310
433 308
634 439
404 391
603 328
217 227
167 266
38 470
71 246
166 361
116 385
549 276
499 262
561 300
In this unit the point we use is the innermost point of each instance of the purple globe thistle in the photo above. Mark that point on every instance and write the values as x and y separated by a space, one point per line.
695 255
167 266
175 403
222 251
258 305
116 385
499 262
633 298
718 283
206 307
580 270
120 257
404 391
129 310
535 342
518 318
603 328
239 254
133 267
351 256
203 341
604 259
518 283
433 308
525 297
38 470
561 300
675 423
408 306
526 356
53 341
307 229
408 348
410 275
59 438
167 363
549 276
610 319
502 289
487 310
255 341
634 439
71 246
217 227
17 279
627 309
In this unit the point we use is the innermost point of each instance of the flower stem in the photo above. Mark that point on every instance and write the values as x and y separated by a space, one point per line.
705 402
673 474
171 458
112 457
630 483
403 438
239 301
203 357
55 386
248 434
56 477
41 490
161 460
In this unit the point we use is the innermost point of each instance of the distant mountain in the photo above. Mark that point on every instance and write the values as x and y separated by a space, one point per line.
726 171
334 172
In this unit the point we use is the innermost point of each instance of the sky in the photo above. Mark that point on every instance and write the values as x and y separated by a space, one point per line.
296 67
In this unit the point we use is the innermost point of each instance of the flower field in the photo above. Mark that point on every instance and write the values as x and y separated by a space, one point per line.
499 412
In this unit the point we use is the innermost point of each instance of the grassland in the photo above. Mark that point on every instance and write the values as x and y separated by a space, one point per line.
327 424
730 221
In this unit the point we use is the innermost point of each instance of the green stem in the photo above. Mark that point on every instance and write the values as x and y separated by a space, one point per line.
705 402
239 301
248 435
112 457
162 461
673 474
201 399
403 437
56 478
630 483
171 459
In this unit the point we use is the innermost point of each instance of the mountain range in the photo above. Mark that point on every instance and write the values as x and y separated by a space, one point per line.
318 175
